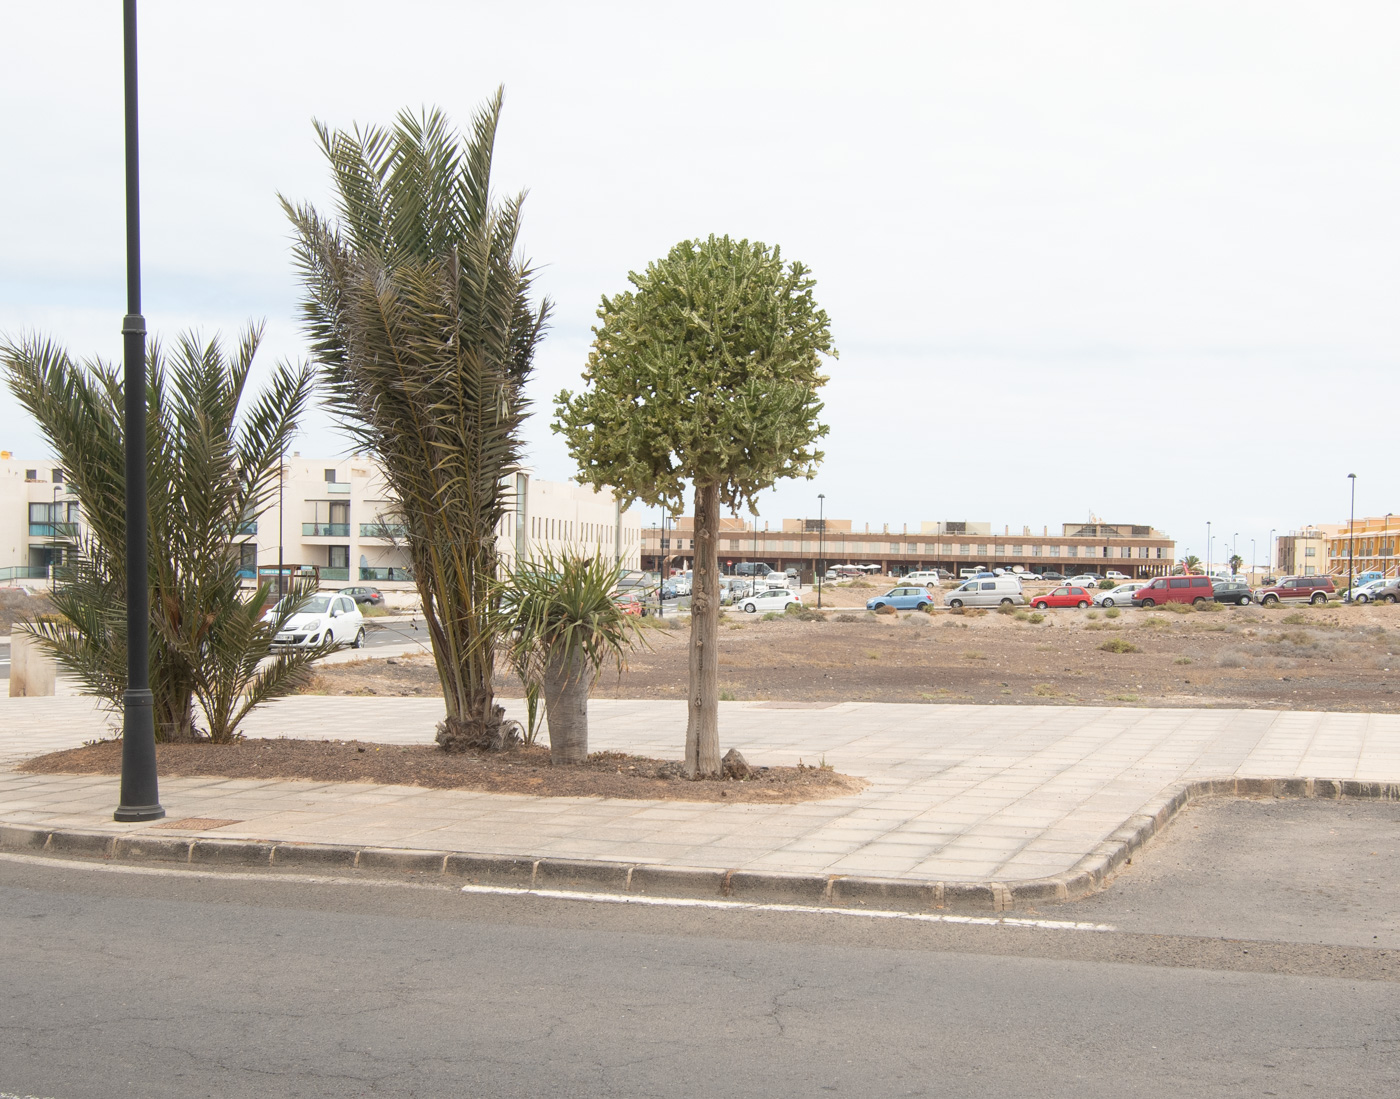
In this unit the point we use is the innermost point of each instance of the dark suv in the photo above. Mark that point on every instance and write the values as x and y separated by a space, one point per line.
1311 589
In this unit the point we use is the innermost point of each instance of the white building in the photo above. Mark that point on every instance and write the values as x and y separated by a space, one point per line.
335 515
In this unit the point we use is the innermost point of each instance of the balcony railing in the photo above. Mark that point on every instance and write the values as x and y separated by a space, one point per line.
325 530
53 530
383 530
24 572
335 574
393 573
339 488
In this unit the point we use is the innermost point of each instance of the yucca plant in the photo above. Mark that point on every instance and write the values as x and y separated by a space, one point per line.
563 626
210 468
419 314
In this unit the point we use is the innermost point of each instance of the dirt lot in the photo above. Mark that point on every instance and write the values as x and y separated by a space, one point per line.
1320 658
17 603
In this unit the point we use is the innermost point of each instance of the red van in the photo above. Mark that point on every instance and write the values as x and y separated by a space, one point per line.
1175 589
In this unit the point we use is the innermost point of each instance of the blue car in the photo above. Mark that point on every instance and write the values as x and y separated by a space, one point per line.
902 599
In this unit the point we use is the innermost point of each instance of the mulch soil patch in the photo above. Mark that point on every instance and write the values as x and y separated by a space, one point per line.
520 771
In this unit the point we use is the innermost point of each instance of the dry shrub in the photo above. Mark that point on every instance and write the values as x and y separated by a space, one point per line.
885 608
1119 645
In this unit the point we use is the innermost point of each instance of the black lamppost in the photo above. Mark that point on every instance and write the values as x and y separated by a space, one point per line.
1271 550
1351 535
140 794
821 543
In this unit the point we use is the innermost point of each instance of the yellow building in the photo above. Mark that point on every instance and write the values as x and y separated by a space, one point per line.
1369 545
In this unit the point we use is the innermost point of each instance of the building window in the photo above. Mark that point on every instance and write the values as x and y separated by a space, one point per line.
338 557
1073 551
894 547
330 476
1015 551
981 550
1035 551
964 550
31 474
1310 551
56 476
1054 551
1159 553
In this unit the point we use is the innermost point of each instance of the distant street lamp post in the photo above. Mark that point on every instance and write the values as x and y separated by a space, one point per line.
1253 561
140 794
1351 536
821 543
1271 548
1386 543
1210 545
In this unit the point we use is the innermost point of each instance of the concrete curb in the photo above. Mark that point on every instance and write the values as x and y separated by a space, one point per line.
1091 873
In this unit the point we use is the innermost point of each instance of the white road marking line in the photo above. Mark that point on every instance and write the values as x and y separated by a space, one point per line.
750 906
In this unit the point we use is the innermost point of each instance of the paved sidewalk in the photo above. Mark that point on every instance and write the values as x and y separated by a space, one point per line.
958 793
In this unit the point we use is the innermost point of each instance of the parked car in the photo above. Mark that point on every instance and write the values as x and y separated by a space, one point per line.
1066 595
630 603
752 568
1119 596
1050 575
1085 579
908 597
373 596
1309 589
1364 593
1114 574
925 576
326 619
792 572
1174 589
986 591
1233 591
771 599
1388 592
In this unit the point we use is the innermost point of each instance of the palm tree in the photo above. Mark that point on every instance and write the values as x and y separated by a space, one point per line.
1236 563
563 626
1191 563
210 465
418 309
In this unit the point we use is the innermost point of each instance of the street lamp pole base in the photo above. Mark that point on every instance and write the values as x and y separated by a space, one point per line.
140 797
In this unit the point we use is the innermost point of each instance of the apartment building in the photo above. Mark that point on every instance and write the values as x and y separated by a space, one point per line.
332 516
1133 549
1304 552
1368 545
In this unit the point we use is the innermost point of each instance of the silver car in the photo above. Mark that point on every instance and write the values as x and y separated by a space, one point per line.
1121 596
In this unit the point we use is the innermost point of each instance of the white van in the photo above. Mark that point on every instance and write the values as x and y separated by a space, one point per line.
929 576
986 591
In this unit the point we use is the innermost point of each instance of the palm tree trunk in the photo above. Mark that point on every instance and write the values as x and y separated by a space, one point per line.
566 684
702 724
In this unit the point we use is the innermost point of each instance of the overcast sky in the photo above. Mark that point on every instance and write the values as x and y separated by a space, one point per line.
1137 260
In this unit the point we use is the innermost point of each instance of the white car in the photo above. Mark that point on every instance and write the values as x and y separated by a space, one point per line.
771 599
1120 596
1114 574
326 619
1363 593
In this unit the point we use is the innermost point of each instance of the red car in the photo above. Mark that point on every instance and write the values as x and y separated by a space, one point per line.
1069 595
631 603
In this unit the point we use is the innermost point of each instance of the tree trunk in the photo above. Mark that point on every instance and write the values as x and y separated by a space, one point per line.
566 684
702 724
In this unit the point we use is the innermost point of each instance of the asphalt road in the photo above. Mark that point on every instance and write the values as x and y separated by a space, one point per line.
164 982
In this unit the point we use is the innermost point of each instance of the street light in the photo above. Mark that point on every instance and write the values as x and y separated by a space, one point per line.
1210 545
1234 550
140 794
1385 541
821 542
1351 535
1271 548
1253 561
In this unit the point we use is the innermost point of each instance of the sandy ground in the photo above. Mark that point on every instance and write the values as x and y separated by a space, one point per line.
1320 658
